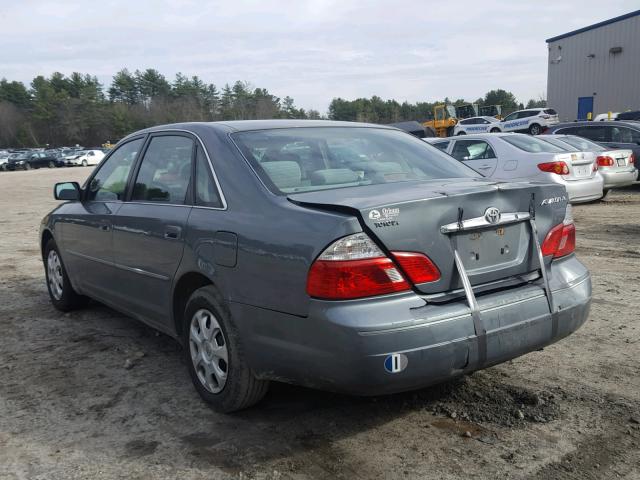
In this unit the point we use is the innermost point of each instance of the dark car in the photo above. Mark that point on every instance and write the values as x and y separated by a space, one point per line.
271 254
615 134
29 160
632 115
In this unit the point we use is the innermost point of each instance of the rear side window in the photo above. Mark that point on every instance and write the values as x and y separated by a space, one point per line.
531 144
624 135
165 170
595 133
583 144
206 192
441 145
110 182
464 150
550 111
308 159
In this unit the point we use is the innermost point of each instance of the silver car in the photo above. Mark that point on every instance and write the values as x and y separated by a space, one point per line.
515 157
617 166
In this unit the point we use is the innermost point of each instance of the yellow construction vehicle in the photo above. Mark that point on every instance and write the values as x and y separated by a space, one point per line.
444 119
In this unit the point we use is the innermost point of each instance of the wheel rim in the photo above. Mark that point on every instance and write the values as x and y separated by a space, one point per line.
84 163
209 353
54 275
51 165
535 130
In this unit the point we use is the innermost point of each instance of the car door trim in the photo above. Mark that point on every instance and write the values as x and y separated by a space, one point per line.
122 267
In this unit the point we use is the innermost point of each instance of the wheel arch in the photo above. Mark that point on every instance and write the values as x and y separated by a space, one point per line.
44 239
188 283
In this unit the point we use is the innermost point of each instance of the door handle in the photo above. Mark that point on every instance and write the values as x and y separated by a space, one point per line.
484 167
172 232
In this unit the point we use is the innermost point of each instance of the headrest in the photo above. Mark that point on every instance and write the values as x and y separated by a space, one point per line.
283 174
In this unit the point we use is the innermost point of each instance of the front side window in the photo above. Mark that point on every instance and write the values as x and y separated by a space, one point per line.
110 181
165 171
472 150
308 159
624 135
531 144
511 116
596 133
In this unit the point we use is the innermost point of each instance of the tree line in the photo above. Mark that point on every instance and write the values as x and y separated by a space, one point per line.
77 109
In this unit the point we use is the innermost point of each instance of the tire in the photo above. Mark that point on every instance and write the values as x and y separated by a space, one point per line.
461 133
494 130
84 163
605 192
27 166
51 165
535 129
62 295
215 357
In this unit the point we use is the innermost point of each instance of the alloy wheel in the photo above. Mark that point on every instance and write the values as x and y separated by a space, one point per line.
54 274
209 353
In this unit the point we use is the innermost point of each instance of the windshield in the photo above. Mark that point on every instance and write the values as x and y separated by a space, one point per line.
531 144
583 144
310 159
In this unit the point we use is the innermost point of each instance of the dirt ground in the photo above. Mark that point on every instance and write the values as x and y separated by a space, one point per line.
94 394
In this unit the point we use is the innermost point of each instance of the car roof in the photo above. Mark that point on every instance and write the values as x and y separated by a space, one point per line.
628 123
486 117
248 125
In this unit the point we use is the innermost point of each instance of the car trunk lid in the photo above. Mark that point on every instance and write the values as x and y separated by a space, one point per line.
422 216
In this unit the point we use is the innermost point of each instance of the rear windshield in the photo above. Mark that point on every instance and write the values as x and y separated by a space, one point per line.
531 144
310 159
583 144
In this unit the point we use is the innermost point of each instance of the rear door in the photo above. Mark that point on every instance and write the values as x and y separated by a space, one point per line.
476 154
149 229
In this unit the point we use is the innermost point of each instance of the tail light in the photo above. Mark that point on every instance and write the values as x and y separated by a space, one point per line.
605 161
632 159
561 239
354 267
559 168
546 117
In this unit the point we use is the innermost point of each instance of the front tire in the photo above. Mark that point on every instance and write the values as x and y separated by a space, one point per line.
84 163
52 165
62 295
27 166
494 130
215 357
535 129
461 133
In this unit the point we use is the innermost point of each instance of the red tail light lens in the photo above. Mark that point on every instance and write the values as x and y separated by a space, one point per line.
560 241
559 168
417 266
632 159
605 161
348 279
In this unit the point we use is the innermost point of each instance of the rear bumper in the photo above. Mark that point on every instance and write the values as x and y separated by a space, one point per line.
585 190
615 178
343 346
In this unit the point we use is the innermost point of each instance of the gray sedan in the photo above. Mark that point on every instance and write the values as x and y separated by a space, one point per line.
617 166
516 157
341 256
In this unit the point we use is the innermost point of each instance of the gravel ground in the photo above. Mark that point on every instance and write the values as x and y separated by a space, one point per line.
93 394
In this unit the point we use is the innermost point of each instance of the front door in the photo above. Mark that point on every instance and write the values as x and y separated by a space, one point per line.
149 229
585 107
86 230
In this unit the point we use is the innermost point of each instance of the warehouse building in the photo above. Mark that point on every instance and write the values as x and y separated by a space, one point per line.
595 69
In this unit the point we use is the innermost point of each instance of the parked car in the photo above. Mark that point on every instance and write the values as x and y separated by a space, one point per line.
631 115
602 117
84 158
476 125
515 157
37 159
617 167
616 134
4 158
532 120
270 259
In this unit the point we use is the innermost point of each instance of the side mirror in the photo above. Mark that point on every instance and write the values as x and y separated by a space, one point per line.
66 191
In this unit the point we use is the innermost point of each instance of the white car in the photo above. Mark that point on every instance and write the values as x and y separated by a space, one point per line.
476 125
516 157
87 157
604 117
532 120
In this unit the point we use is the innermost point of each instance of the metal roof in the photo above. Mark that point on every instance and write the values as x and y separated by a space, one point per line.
594 26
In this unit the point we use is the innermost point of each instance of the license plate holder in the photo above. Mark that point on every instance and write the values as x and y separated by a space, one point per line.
493 248
621 162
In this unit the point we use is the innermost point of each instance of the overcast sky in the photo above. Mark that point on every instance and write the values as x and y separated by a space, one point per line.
312 50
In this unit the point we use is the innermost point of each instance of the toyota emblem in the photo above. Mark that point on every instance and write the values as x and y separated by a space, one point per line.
492 215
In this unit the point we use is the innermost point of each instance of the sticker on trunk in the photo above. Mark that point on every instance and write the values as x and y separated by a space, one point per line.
385 217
